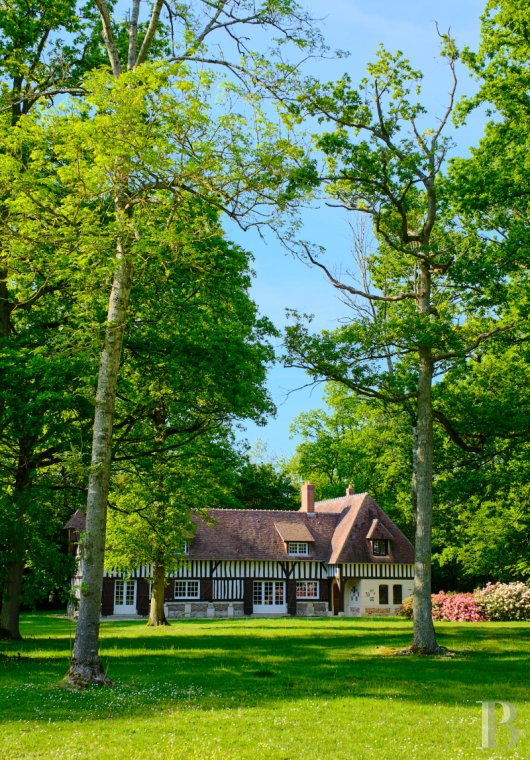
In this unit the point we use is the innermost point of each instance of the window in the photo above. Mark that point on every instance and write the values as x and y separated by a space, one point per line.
124 593
397 594
186 547
124 596
307 590
297 547
268 593
186 589
380 547
383 594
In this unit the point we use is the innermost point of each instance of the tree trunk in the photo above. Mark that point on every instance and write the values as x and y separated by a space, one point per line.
157 615
424 637
85 667
14 567
10 610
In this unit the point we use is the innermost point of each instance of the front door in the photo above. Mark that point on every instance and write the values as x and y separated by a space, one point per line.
124 597
269 597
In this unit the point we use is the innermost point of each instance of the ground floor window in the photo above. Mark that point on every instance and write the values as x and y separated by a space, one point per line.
124 593
307 590
397 594
383 594
186 589
268 593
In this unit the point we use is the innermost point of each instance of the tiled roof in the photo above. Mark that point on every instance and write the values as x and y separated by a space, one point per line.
339 530
350 544
290 531
378 530
76 522
249 534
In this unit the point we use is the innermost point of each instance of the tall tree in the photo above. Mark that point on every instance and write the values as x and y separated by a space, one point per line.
187 339
36 63
149 106
426 309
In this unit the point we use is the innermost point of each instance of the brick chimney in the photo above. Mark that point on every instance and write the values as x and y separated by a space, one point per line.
308 497
350 491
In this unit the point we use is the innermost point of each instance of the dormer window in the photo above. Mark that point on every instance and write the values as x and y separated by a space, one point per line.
380 547
380 537
297 548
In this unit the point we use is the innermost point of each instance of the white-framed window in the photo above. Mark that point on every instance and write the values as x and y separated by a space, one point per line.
186 589
124 593
297 547
307 590
268 593
186 547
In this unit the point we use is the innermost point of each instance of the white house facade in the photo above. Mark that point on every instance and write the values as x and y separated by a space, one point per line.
341 556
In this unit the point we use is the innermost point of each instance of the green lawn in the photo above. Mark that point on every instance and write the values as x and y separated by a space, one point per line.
276 689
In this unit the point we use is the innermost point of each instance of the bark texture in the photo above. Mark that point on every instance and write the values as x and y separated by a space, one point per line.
424 639
86 668
157 614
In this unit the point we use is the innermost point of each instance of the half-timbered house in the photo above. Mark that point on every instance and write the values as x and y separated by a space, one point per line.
341 556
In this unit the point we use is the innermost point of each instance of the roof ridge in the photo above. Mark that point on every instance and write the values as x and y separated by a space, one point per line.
235 509
341 498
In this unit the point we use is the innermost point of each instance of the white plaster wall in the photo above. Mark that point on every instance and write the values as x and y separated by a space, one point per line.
369 594
352 598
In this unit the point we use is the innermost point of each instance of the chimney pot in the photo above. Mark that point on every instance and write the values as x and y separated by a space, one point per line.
350 491
308 497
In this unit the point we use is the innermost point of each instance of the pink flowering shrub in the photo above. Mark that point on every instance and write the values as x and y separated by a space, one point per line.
459 608
505 601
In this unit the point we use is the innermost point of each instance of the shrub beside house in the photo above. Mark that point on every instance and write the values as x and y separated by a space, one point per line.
497 601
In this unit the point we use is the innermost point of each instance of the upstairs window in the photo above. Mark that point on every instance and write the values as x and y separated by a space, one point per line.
297 548
380 547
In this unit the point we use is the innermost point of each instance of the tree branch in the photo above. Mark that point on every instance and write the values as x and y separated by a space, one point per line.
133 35
108 37
150 33
342 286
479 339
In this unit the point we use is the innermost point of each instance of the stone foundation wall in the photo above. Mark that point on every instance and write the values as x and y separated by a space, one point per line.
197 609
204 609
380 611
311 609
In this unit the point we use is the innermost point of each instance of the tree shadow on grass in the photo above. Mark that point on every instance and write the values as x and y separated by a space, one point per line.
208 665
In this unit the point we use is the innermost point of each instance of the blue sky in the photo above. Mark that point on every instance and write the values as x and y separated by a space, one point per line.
283 282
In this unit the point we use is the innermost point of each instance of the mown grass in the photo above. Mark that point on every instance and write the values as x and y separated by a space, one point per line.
278 689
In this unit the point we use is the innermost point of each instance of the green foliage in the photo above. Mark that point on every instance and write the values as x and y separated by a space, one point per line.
356 442
263 485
